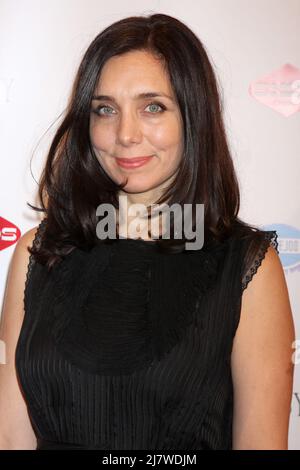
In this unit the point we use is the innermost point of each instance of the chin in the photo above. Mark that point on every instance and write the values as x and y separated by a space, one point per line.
136 188
137 183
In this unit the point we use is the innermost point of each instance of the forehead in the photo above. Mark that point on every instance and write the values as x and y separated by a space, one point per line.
138 70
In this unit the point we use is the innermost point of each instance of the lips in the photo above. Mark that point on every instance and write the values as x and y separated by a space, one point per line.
134 159
133 162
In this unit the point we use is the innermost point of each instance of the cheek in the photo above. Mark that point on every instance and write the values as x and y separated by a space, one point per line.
168 136
101 143
169 146
100 138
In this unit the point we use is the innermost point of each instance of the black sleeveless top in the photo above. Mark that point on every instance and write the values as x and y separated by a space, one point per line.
123 347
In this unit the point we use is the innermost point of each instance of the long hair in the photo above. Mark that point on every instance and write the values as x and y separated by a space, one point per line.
73 182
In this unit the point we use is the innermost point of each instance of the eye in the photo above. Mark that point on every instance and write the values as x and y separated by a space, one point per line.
161 106
99 108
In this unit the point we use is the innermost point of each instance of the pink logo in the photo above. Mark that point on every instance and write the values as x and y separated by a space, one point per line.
9 233
280 90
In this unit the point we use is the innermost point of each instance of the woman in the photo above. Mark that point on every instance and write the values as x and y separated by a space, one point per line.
129 342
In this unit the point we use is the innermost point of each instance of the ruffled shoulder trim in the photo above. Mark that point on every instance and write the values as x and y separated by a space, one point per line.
36 244
255 253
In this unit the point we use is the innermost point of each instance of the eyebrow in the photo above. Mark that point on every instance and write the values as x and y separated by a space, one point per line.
150 94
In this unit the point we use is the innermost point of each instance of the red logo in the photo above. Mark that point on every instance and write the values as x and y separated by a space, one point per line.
9 233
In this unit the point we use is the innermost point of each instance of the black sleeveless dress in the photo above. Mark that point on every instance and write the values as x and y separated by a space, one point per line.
123 347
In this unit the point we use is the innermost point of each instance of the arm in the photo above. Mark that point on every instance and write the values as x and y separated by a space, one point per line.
261 360
15 428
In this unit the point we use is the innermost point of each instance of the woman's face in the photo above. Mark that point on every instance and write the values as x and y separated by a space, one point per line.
127 125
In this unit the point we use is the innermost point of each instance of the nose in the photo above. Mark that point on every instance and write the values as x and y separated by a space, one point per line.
129 129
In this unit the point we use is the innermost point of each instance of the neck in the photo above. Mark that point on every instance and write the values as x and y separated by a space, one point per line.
137 220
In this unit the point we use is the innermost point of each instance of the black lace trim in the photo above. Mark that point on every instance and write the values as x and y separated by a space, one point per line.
270 239
36 244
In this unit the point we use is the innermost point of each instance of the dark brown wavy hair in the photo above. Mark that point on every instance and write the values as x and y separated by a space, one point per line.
73 183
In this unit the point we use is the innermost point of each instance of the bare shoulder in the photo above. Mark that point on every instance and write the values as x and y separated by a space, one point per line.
261 360
27 238
266 298
21 254
269 274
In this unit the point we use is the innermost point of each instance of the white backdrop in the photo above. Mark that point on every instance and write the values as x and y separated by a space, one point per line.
41 44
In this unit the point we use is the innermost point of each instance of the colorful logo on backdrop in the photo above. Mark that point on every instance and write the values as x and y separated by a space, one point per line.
280 90
9 233
288 245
